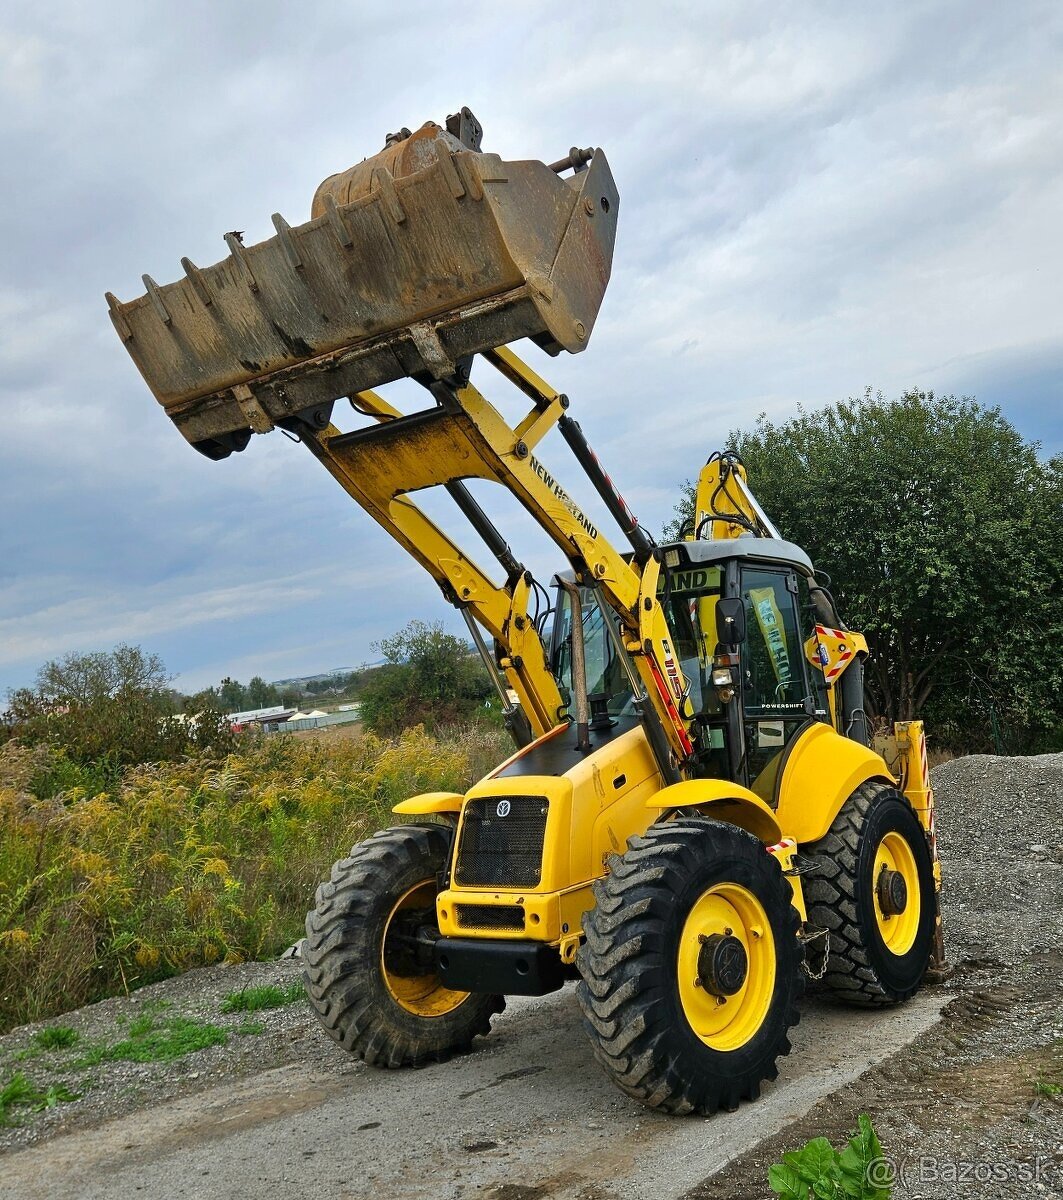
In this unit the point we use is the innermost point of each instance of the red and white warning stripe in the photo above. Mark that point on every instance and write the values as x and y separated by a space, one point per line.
836 668
840 634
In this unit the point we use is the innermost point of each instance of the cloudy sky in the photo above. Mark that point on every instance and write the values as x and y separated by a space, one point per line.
815 198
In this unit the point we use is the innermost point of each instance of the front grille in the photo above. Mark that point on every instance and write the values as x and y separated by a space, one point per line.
502 842
490 916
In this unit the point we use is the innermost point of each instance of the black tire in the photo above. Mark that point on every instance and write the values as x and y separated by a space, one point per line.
630 991
344 955
861 969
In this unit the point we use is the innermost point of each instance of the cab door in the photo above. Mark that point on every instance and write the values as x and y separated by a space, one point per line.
774 682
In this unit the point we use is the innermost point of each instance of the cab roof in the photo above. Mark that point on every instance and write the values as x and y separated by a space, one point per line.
773 551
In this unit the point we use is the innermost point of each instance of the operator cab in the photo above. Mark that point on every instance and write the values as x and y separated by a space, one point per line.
739 611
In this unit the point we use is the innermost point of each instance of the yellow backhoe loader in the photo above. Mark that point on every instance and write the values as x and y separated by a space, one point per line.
696 816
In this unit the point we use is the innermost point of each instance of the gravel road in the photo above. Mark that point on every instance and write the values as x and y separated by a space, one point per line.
529 1116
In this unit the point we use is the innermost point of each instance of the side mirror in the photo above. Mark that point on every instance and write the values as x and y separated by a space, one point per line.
730 621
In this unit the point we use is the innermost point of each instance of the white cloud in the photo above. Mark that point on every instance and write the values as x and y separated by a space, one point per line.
813 200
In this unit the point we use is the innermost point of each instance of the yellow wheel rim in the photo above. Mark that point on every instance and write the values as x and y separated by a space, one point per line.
897 929
727 1022
422 995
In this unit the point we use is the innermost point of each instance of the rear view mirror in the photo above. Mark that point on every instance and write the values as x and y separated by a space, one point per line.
730 621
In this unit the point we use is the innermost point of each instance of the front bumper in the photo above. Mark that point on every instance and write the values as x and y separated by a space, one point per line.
507 968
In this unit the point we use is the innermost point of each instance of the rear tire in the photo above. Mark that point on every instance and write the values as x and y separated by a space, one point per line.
667 1041
371 996
876 958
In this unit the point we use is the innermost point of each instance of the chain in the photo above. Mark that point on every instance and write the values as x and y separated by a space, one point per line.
811 937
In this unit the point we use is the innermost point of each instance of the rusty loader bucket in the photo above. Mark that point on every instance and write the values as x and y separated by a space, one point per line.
419 256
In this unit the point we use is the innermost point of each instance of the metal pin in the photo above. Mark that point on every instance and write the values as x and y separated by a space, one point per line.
157 300
335 220
117 318
199 284
236 249
284 236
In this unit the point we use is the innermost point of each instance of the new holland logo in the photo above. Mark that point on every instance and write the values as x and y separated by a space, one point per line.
503 809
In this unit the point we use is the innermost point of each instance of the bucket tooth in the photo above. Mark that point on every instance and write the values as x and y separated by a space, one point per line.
121 325
473 188
337 223
239 253
450 172
382 184
199 284
157 301
284 235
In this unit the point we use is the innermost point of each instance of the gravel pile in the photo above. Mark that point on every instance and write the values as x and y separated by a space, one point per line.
1000 834
974 1107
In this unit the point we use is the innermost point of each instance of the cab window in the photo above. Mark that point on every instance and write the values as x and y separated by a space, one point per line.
605 672
774 684
773 678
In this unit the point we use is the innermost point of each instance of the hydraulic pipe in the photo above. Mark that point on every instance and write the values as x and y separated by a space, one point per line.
485 527
604 486
650 721
516 720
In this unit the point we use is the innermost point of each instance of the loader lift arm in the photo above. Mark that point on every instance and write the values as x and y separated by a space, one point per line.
464 436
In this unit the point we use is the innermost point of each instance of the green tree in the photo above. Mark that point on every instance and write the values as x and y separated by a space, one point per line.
260 694
207 698
941 530
115 707
430 678
233 695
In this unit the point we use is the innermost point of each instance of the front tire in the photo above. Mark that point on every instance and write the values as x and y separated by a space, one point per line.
691 967
873 890
372 986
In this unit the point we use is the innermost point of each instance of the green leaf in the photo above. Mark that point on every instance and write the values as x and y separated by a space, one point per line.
785 1182
863 1150
814 1161
58 1093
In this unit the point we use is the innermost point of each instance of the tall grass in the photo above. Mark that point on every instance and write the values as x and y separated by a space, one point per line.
188 863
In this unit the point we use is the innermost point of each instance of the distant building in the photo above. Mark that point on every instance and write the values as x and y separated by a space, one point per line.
255 714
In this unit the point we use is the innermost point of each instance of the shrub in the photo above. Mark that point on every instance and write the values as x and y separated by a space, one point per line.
109 710
430 678
817 1171
183 864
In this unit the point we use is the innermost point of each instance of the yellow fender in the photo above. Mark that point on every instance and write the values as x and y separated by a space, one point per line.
727 801
821 771
430 804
